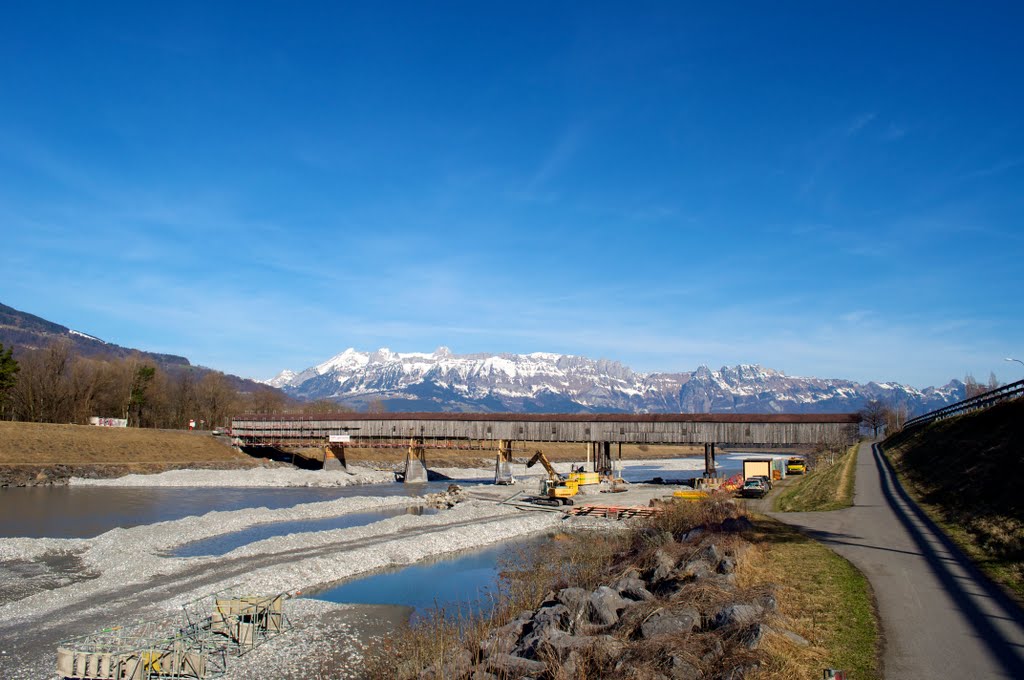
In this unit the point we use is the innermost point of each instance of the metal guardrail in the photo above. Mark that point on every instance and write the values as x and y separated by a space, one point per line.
981 401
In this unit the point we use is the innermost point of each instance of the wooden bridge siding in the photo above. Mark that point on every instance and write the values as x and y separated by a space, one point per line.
625 432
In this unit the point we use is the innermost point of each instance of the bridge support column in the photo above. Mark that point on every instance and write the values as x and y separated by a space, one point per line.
709 460
415 462
503 464
603 460
334 457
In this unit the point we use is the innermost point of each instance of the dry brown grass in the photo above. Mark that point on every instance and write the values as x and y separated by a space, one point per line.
821 597
38 444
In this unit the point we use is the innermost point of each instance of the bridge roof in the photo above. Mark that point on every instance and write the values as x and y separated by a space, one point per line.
796 418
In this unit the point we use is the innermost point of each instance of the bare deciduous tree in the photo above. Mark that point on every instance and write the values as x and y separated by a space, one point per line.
216 399
874 415
971 387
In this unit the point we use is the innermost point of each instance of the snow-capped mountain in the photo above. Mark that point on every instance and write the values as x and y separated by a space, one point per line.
560 383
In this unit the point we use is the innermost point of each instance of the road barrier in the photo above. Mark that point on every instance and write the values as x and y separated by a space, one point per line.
976 403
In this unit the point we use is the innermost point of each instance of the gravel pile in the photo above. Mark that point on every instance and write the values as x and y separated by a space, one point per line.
134 579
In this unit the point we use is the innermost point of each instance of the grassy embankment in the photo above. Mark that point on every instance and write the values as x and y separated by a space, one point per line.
821 596
826 487
965 473
28 450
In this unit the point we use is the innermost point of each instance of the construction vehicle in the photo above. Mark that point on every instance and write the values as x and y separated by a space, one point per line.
557 489
691 494
583 478
796 466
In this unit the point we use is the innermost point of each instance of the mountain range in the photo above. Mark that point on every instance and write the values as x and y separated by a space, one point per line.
558 383
24 331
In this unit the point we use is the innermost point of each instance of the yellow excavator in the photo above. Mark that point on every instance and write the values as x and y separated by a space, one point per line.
557 488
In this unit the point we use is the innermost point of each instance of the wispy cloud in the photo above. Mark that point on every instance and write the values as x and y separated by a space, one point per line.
556 160
858 124
995 169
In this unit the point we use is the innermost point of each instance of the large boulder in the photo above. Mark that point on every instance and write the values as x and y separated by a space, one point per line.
664 566
710 553
795 638
605 605
693 534
681 669
631 586
511 666
577 602
736 614
669 622
547 624
695 569
555 616
752 636
503 639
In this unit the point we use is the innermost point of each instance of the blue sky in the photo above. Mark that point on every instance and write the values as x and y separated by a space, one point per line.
830 189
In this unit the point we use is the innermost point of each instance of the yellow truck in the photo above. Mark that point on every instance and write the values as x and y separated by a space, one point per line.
691 494
796 466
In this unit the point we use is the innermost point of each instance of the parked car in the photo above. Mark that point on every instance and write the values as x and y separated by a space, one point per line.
754 488
764 478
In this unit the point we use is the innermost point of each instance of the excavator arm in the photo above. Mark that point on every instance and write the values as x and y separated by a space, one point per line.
539 456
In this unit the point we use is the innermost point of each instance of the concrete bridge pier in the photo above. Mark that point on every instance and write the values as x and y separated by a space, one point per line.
503 463
334 457
415 462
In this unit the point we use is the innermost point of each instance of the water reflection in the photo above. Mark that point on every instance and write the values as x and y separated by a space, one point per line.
225 543
460 583
87 511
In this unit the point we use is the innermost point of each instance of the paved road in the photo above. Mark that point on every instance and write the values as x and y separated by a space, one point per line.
940 617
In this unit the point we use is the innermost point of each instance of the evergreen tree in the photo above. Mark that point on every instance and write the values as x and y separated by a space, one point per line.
8 377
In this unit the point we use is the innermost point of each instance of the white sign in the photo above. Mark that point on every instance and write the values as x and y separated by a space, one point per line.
339 438
108 422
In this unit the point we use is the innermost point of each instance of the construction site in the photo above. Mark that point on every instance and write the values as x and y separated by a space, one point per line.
129 608
197 644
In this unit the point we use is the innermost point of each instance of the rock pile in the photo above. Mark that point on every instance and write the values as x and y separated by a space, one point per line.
449 498
680 616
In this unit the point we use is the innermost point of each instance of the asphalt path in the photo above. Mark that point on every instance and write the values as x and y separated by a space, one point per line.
940 616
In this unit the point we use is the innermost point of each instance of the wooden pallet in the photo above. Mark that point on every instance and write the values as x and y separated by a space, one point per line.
614 511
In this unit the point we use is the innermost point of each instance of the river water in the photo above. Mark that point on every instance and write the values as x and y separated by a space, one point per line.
463 583
88 511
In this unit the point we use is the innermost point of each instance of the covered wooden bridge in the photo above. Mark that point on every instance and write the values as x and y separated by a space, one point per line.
598 431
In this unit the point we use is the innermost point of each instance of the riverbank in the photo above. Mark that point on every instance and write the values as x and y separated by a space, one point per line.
40 454
125 575
701 591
